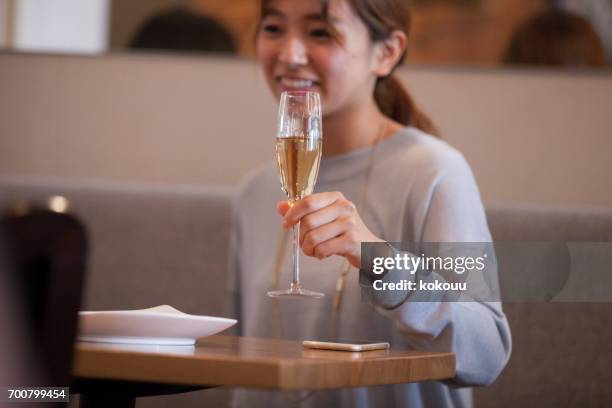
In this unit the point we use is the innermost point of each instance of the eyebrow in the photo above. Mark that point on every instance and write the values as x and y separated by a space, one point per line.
270 12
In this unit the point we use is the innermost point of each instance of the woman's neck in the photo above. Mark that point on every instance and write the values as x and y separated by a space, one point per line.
355 128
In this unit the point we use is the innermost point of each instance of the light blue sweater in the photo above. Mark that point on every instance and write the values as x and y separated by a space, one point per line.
421 190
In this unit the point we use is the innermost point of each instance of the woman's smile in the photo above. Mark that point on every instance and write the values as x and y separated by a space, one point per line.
291 83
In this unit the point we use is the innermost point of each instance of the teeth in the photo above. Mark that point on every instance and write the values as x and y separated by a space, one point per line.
296 83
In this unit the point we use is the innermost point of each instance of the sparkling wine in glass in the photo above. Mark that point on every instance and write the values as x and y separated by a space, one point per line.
298 155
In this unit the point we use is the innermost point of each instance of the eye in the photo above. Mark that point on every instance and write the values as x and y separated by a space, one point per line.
321 33
270 28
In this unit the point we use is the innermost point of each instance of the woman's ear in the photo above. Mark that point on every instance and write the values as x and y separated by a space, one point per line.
389 52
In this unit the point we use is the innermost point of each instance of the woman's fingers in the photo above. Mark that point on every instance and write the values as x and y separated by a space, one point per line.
342 245
317 236
316 219
308 205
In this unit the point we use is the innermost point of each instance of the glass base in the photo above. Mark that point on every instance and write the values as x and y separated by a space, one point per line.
295 292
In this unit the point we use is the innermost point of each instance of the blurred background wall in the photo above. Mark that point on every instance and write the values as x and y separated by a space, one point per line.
448 32
530 135
463 32
443 31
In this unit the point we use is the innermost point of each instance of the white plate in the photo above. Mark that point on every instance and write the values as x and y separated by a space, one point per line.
161 325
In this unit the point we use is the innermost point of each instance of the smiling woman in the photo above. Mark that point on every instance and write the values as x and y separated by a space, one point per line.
383 177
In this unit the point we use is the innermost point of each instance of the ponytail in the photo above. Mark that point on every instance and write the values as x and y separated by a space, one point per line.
394 102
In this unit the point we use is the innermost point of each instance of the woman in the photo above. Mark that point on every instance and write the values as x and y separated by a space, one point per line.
382 178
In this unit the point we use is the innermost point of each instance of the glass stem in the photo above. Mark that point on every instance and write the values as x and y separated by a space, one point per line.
295 284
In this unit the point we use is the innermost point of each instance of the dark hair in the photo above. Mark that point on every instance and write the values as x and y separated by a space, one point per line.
182 29
556 37
381 18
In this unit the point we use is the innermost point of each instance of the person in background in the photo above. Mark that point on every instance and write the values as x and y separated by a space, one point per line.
556 38
599 13
384 177
181 29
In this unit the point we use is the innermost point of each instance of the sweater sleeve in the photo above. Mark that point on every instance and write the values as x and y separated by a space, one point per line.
477 331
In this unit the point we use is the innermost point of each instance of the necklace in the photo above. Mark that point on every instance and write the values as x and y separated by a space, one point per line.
346 266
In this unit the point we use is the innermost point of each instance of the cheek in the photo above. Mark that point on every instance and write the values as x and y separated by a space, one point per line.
334 67
265 56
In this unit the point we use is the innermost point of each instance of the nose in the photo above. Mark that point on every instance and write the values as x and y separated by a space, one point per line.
293 51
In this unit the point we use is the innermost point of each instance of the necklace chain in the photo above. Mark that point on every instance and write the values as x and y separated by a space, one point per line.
346 266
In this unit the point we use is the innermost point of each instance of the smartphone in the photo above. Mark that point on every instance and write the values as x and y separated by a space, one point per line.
345 346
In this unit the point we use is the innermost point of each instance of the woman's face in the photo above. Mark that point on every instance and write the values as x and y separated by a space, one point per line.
297 51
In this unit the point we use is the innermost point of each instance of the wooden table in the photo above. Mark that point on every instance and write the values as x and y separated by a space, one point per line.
123 372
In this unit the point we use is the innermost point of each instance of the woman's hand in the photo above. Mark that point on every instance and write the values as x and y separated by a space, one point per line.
330 225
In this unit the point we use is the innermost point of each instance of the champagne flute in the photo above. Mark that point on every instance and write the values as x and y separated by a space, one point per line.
298 155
